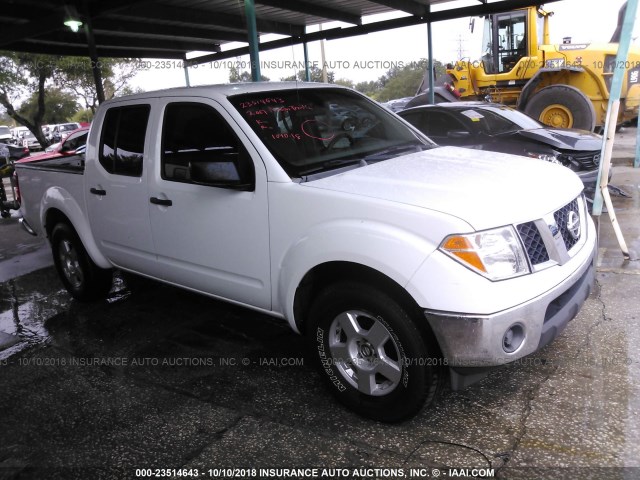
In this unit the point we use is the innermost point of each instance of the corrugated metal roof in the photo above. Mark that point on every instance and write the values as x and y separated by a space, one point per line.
172 28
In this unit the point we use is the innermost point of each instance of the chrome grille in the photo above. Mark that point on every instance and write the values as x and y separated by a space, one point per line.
533 243
552 237
562 219
580 161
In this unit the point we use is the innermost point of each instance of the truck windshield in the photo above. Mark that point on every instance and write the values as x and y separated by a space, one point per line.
310 130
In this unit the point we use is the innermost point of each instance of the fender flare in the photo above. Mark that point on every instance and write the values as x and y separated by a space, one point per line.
57 198
365 243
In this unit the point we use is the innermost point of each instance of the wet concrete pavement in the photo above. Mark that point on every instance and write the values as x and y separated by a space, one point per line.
159 378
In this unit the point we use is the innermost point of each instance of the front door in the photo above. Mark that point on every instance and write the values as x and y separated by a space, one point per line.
209 207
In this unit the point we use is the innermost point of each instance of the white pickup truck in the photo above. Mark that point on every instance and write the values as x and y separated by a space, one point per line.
314 204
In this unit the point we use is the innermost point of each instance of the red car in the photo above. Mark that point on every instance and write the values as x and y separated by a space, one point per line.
68 146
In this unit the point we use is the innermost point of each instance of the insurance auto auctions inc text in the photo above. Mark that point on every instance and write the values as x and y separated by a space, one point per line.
363 473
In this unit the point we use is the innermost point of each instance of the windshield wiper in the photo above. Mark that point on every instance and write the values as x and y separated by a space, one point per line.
331 164
394 151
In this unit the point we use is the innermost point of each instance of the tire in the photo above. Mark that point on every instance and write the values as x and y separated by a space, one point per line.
371 353
84 280
562 106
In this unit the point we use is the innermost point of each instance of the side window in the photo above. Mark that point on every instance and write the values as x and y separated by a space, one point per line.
417 120
122 143
198 146
438 124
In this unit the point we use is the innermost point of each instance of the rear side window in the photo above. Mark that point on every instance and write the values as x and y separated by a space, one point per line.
122 143
438 124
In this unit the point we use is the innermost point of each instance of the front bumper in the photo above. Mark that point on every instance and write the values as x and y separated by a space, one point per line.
479 340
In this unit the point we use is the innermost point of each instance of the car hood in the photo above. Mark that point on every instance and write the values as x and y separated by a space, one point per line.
565 139
485 189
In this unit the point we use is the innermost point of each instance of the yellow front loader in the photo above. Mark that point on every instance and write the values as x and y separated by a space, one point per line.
565 85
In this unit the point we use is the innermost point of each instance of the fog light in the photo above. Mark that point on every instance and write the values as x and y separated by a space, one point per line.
513 338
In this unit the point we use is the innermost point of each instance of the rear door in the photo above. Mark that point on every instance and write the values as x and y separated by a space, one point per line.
117 200
208 204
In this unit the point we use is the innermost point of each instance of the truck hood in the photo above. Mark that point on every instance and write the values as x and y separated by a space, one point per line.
565 139
485 189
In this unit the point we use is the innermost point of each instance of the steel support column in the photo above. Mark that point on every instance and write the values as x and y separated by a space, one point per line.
430 65
93 53
185 66
305 50
614 96
252 32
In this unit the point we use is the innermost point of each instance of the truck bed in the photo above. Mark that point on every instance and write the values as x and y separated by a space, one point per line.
71 164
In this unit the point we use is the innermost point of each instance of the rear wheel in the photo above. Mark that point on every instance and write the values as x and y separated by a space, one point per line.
84 280
562 106
371 353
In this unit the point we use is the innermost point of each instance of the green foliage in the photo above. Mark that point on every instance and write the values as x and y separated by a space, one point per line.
5 119
236 76
75 74
84 115
315 74
59 106
50 85
368 88
398 82
345 82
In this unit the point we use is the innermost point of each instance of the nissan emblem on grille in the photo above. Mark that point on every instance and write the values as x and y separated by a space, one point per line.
573 224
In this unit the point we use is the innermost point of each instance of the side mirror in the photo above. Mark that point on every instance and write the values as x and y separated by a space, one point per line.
219 174
78 151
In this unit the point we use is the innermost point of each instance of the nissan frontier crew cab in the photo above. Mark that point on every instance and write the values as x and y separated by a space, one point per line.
397 259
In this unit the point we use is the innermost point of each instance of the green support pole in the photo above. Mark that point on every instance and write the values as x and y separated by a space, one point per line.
307 71
614 93
432 98
252 31
636 162
185 63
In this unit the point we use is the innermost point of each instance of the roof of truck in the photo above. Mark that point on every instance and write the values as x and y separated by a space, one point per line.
224 90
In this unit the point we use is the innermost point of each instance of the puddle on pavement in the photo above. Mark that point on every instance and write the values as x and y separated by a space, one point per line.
28 303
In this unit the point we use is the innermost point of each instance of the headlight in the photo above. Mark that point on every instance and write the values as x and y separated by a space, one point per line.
496 254
547 157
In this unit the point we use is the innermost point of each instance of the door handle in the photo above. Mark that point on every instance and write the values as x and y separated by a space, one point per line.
98 191
161 201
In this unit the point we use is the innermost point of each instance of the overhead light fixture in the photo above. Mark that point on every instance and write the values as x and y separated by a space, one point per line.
72 18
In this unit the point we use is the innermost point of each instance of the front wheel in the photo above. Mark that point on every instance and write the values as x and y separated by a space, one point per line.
371 353
562 106
84 280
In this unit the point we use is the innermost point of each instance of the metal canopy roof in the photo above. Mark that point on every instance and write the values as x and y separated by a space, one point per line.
172 28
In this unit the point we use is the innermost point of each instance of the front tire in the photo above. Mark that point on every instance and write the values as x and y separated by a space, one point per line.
83 279
371 353
562 106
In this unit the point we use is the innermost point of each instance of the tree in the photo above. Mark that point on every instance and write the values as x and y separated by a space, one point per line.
368 88
26 73
315 74
83 116
399 81
5 119
59 106
75 74
236 76
31 76
345 82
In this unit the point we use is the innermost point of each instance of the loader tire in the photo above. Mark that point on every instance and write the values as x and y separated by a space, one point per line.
562 106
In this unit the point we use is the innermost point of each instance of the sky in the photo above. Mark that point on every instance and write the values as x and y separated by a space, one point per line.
369 56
